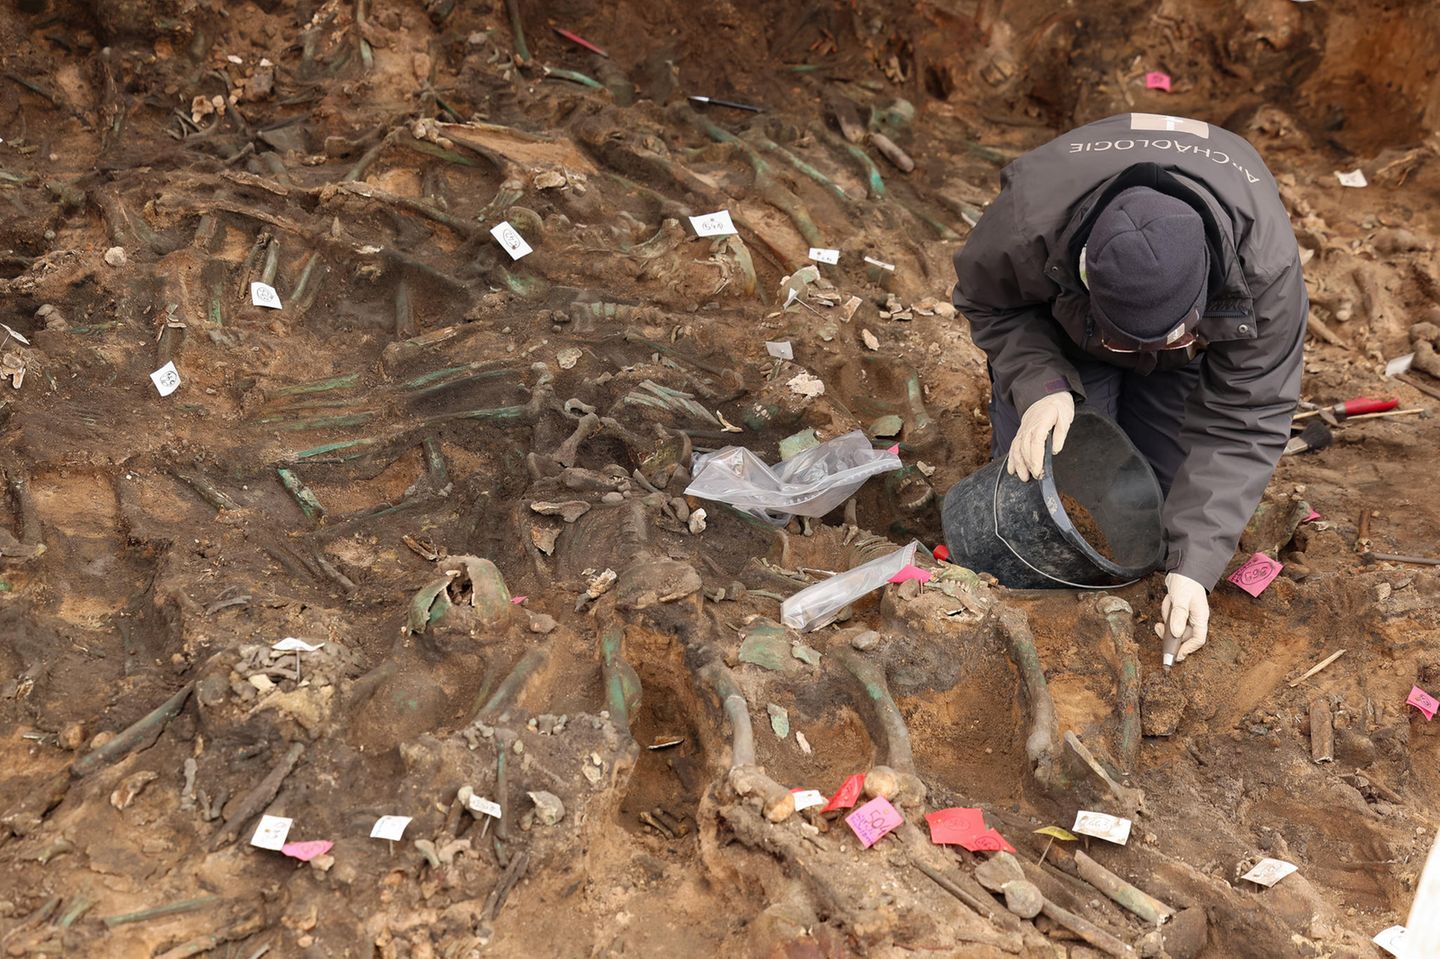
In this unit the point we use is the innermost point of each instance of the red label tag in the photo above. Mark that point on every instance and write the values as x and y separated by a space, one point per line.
847 795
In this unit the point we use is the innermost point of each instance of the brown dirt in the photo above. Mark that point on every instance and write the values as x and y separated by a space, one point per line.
1086 526
418 382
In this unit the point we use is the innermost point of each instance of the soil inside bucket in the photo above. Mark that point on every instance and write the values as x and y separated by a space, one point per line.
1086 526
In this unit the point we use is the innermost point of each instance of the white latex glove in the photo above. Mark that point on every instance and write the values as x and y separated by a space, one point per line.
1053 413
1186 611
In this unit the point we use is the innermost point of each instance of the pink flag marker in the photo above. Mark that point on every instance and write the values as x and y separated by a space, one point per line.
1423 701
578 40
306 851
874 820
1314 515
912 572
1155 80
517 600
1257 573
894 450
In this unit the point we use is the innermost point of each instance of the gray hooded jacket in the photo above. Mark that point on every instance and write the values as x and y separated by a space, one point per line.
1019 287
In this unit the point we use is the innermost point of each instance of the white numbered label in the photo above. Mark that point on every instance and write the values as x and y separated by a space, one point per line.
290 644
713 224
1102 826
781 350
1355 178
271 832
487 806
1390 939
389 827
514 244
166 379
880 263
805 798
824 256
1268 872
263 294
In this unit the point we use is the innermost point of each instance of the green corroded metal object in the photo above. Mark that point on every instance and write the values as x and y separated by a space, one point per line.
430 603
779 719
767 644
309 503
622 683
806 654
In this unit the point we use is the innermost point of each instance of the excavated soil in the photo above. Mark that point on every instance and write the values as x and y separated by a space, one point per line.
1086 526
461 476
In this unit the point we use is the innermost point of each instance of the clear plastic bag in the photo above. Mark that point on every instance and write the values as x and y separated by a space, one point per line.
816 606
810 484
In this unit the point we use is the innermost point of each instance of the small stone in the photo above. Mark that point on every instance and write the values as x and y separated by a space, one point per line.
542 623
696 523
568 357
592 774
262 683
115 256
1023 898
870 340
548 807
72 736
865 639
613 498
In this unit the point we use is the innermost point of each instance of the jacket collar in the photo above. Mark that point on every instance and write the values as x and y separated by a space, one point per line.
1228 290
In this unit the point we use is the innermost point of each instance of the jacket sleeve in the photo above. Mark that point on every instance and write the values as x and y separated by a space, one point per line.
1237 422
1002 290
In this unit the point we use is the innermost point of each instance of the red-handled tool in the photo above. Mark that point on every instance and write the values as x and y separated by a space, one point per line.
1356 407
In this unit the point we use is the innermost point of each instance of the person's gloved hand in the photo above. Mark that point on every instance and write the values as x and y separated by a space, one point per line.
1186 612
1027 452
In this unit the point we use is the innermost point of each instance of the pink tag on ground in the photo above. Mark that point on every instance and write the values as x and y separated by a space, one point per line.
847 794
874 820
1256 574
894 450
517 600
912 572
1314 515
1155 80
1423 701
306 851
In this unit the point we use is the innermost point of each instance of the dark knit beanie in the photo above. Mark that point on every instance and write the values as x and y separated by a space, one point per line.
1146 265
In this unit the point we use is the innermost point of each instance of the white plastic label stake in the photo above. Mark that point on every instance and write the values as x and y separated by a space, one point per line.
487 806
880 263
1390 939
805 798
824 256
389 827
271 832
781 350
512 241
290 644
7 328
166 379
713 224
1268 872
263 294
1102 826
1355 178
